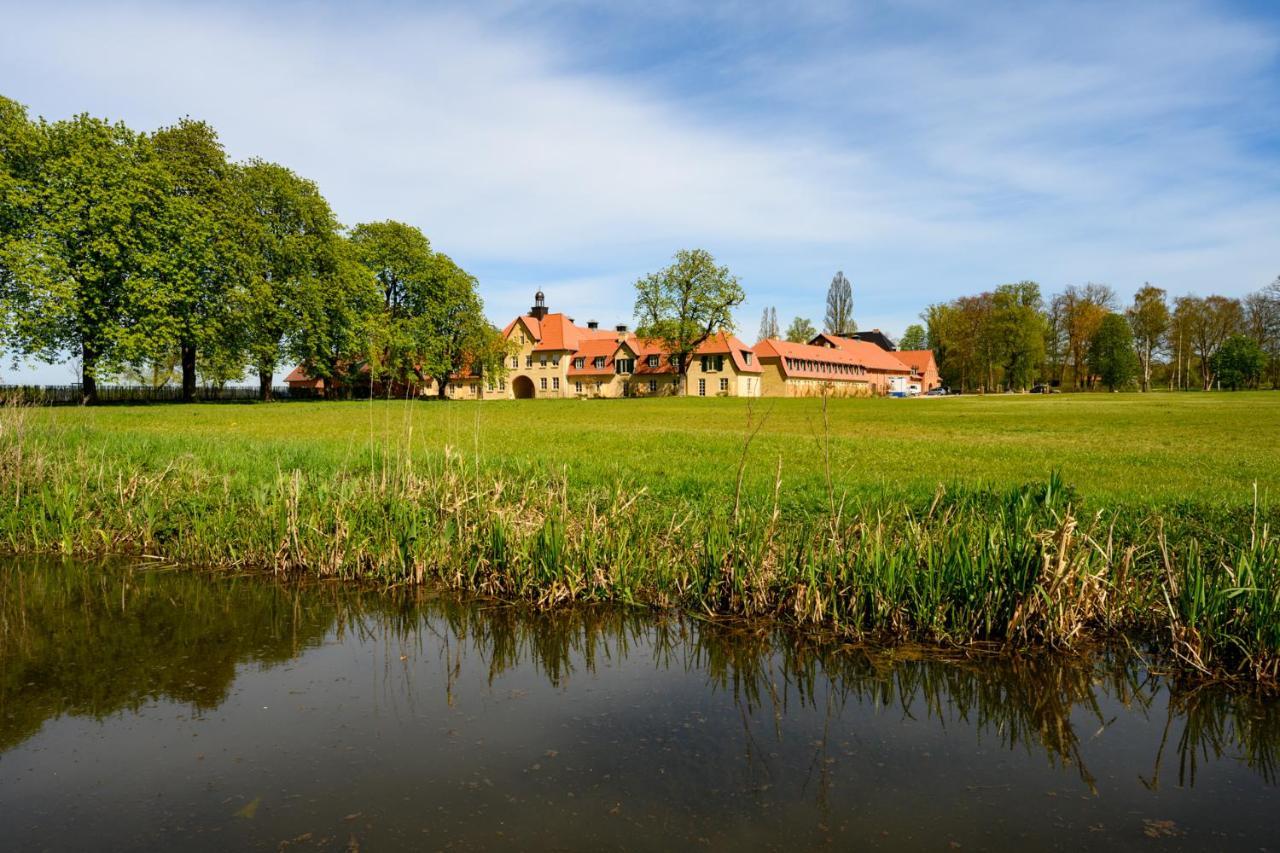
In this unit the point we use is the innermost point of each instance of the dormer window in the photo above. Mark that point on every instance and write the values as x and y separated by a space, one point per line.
625 365
746 356
652 361
579 363
598 362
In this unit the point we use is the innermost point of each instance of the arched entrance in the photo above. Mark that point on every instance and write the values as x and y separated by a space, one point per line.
522 387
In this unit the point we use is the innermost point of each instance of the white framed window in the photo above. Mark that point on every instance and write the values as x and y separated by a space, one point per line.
724 384
542 361
528 361
579 363
543 380
653 383
702 387
597 363
652 361
555 383
577 387
555 360
515 362
746 357
625 365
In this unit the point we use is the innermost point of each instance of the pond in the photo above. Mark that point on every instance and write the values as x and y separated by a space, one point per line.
165 709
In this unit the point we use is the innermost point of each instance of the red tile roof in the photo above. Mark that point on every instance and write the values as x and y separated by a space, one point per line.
869 355
723 342
591 349
555 332
807 361
919 360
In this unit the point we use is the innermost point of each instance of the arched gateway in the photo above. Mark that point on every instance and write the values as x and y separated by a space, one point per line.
522 387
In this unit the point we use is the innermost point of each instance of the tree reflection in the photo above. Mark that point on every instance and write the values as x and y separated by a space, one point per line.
92 640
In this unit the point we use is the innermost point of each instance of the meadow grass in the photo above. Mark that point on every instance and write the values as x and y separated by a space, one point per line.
1014 520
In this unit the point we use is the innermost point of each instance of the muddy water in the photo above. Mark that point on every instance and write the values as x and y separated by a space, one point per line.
144 709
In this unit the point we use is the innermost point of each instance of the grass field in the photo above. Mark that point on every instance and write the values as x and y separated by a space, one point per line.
1018 520
1153 450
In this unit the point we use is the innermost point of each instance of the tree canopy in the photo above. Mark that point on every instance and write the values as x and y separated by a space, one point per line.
913 338
1239 362
1111 355
839 315
137 255
801 331
685 303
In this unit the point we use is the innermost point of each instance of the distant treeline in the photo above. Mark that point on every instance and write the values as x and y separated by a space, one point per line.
146 256
1011 338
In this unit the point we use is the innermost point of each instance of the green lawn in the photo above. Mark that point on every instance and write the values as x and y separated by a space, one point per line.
1130 449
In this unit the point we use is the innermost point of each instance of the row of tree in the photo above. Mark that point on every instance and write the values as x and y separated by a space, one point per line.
1011 338
126 251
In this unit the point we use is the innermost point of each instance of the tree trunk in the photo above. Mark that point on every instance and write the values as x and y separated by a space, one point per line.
264 386
88 381
188 373
441 388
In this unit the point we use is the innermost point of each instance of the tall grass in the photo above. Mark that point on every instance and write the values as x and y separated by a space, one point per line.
1018 567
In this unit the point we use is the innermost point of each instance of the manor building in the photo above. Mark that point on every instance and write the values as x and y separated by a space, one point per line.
552 356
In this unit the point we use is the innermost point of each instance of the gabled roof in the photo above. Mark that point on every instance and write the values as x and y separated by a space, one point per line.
723 342
809 361
919 360
869 355
556 332
591 349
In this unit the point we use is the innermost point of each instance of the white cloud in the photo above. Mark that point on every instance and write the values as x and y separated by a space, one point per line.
944 152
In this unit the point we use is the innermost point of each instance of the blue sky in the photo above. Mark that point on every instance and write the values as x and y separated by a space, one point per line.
927 149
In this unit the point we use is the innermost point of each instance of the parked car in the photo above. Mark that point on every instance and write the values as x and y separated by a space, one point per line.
1044 389
936 392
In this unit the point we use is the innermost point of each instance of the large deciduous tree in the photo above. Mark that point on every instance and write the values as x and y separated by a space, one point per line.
1111 355
400 259
913 338
839 316
1239 363
1210 321
453 336
686 303
299 252
1149 318
1017 330
208 261
769 324
1262 323
801 331
1081 310
19 157
86 268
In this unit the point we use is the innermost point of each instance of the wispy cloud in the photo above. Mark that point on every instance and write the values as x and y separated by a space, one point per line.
925 148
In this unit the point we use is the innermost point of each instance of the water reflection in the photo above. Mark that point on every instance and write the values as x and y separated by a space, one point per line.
93 641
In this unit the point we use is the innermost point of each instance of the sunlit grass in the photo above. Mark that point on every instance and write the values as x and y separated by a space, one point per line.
1137 450
1012 520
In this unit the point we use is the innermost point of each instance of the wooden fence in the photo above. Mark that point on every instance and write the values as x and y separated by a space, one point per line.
71 395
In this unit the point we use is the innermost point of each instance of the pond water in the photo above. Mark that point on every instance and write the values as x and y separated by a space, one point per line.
145 709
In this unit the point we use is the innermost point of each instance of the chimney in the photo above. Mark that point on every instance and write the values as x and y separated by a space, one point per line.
622 327
592 324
